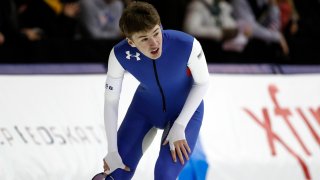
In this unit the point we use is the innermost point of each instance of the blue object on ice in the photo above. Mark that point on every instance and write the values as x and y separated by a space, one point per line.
197 166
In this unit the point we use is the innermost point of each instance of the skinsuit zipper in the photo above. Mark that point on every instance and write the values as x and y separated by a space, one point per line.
159 85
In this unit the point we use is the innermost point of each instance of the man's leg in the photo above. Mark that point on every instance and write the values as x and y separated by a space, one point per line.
165 167
131 139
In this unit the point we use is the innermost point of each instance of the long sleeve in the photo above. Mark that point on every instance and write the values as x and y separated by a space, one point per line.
199 70
112 97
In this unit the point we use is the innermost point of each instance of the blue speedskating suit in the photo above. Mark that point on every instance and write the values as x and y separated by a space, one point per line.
164 86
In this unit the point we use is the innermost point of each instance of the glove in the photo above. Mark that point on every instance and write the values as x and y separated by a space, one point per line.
114 162
176 133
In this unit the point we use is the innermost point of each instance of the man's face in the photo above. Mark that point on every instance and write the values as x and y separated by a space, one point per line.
149 42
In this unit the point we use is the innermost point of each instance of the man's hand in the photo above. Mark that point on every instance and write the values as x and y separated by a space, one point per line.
178 143
112 162
180 147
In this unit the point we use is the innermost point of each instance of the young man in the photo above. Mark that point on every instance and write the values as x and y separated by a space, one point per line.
173 75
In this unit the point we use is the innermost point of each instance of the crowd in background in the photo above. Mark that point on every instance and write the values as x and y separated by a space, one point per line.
241 31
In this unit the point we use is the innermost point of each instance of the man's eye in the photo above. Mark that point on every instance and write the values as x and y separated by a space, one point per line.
156 34
144 39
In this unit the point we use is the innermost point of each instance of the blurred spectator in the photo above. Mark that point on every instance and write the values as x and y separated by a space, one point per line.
10 29
55 18
263 18
100 18
304 44
210 19
289 16
14 40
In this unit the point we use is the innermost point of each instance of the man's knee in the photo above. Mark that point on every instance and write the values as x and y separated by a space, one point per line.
166 174
166 169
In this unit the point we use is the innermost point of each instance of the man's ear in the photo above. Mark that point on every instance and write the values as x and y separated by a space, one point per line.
130 42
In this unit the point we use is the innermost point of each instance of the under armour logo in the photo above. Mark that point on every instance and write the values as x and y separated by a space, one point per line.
129 55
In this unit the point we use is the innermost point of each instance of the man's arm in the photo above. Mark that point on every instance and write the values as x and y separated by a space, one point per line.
113 85
199 70
112 96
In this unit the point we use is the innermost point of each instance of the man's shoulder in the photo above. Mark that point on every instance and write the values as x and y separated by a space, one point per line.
122 45
180 36
177 34
123 49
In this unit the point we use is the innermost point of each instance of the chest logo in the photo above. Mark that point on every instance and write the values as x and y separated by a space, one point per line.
129 55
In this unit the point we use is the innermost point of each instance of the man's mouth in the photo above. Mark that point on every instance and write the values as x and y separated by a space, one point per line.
155 51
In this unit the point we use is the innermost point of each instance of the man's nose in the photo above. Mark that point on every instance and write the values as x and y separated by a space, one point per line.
153 42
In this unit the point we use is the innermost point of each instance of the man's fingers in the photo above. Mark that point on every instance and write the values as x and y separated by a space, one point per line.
178 151
184 151
126 168
105 166
185 144
165 142
173 154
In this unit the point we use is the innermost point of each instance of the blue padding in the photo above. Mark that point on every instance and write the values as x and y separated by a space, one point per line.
75 68
196 168
300 69
241 68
